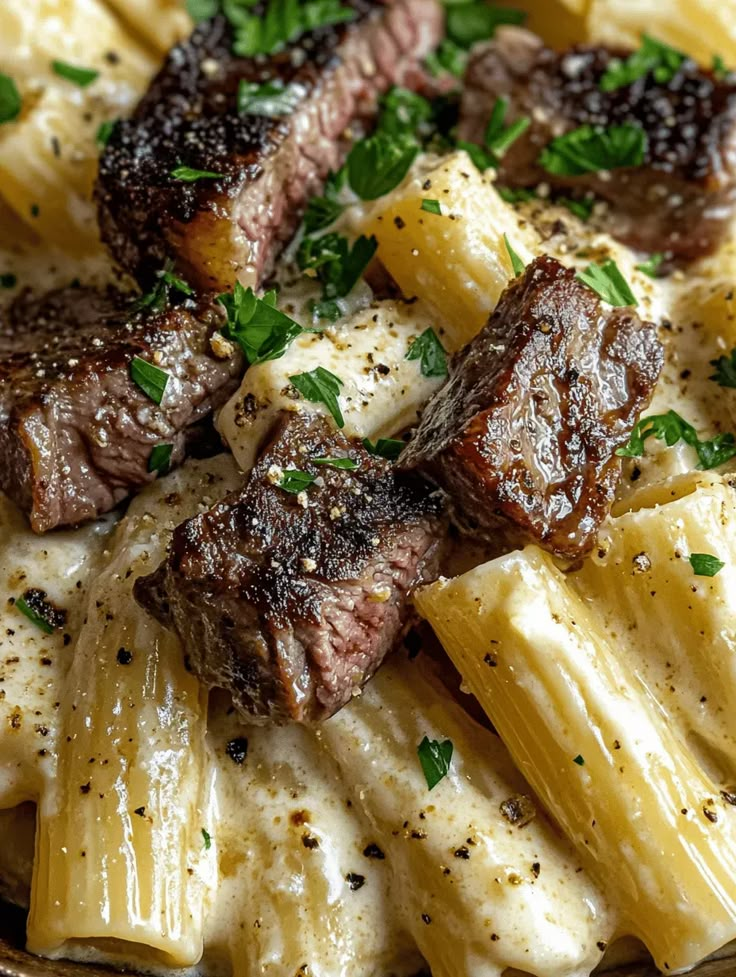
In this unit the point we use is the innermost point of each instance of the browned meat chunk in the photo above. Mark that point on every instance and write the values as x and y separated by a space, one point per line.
526 429
291 599
76 432
679 201
220 230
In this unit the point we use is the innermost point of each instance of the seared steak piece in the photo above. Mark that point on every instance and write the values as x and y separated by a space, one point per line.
680 201
76 432
292 601
220 230
525 431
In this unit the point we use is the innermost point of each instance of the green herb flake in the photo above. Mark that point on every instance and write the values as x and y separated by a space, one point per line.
319 386
10 100
261 330
520 196
200 10
151 380
282 22
158 298
432 207
672 428
499 137
295 481
34 616
435 758
189 175
75 74
651 266
718 67
705 564
269 99
582 209
579 760
388 448
590 149
653 58
725 374
160 458
482 159
516 263
403 112
449 57
104 131
607 281
344 464
206 839
468 23
8 280
431 354
323 211
378 164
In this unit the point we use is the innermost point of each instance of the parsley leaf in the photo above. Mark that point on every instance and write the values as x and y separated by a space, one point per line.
160 458
189 175
431 354
449 57
269 99
482 159
200 10
206 839
718 67
261 330
75 74
519 196
517 264
590 149
653 57
498 136
151 380
388 448
582 209
403 111
104 131
477 21
671 428
337 265
432 207
705 564
323 211
607 281
725 374
345 464
435 758
295 481
158 298
33 612
379 163
10 100
651 265
284 21
320 386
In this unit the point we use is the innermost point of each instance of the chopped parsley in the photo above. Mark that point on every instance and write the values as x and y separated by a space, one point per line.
671 428
10 100
206 839
337 265
403 111
431 354
718 67
151 380
345 464
590 149
435 758
160 458
449 57
579 760
295 481
498 136
323 211
432 207
284 21
516 263
650 267
607 281
271 99
468 23
705 564
35 611
8 280
75 74
725 374
319 386
520 196
388 448
158 298
104 131
200 10
189 175
582 209
652 58
261 330
379 163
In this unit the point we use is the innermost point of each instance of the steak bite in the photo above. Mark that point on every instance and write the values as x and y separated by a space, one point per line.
76 431
680 200
291 599
220 230
525 431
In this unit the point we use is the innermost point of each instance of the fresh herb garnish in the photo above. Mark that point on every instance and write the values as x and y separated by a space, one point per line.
718 67
499 136
379 163
468 23
650 267
323 211
432 207
261 330
160 458
590 149
295 481
403 111
388 448
8 280
579 760
671 428
320 386
520 196
104 131
345 464
725 374
200 10
33 610
189 175
607 281
449 57
337 265
482 159
582 209
653 57
10 100
517 264
158 298
207 839
284 21
151 380
431 354
79 76
435 758
271 99
705 564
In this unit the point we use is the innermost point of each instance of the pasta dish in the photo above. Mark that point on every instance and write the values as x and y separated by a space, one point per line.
368 499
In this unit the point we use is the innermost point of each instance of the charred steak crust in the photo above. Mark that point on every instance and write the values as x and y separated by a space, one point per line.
680 200
525 431
291 602
76 433
220 230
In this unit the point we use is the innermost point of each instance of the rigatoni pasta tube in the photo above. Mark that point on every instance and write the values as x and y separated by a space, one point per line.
120 852
589 739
